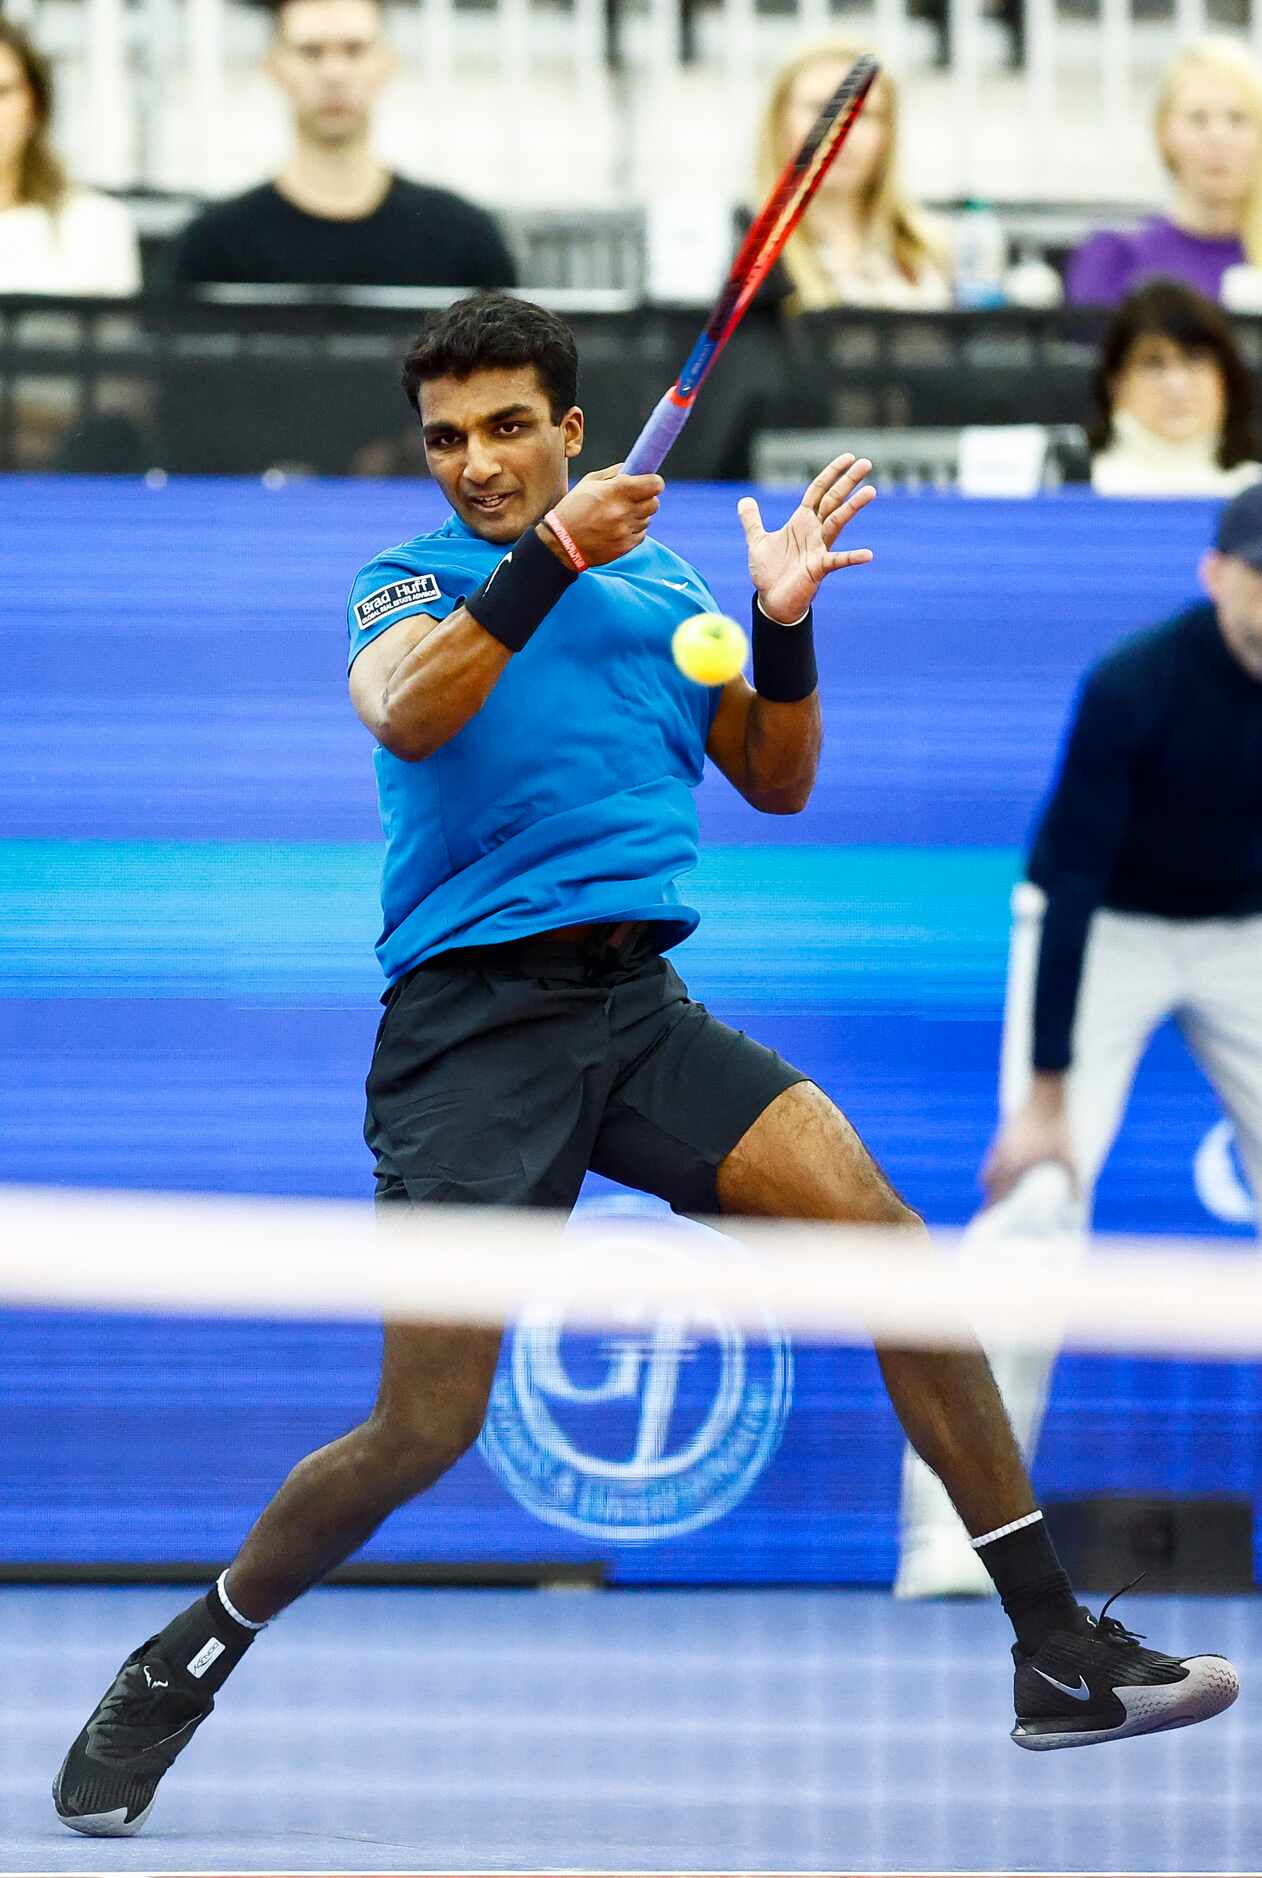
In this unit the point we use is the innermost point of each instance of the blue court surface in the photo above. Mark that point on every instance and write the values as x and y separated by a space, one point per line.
626 1731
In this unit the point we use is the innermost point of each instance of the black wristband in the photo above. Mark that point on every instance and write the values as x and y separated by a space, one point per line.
784 658
517 595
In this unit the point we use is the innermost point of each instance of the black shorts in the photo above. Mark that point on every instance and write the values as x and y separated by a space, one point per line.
502 1073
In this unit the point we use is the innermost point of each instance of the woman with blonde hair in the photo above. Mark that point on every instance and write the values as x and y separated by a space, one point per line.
55 238
1208 126
863 241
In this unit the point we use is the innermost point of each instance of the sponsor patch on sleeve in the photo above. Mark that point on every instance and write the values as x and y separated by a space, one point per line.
418 591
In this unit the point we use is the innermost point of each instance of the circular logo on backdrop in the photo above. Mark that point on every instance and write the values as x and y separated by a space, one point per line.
1220 1185
636 1435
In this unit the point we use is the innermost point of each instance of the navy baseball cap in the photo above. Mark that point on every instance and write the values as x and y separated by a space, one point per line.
1240 527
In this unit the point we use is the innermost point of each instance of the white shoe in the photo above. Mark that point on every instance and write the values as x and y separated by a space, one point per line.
1045 1218
1044 1204
939 1562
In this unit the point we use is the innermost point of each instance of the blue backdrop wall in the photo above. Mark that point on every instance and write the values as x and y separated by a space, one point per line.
188 994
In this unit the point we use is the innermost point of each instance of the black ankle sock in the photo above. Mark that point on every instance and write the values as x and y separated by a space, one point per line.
1032 1587
205 1642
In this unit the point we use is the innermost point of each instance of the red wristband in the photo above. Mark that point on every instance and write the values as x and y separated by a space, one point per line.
573 553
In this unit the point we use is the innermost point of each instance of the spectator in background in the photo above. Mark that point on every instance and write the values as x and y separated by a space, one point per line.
1209 133
1142 903
1174 400
55 238
863 241
335 215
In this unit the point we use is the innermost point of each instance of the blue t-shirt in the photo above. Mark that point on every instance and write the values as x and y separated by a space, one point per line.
568 797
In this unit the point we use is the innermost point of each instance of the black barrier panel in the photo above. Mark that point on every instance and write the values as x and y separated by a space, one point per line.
311 386
1200 1543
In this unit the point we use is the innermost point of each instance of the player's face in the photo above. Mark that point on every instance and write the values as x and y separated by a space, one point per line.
17 111
494 448
1211 138
330 59
1177 394
856 169
1236 590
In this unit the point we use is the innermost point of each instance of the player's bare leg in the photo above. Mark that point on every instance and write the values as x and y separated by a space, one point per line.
1079 1680
435 1383
803 1160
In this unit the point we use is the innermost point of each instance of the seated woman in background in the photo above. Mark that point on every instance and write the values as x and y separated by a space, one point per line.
1209 134
862 242
1174 400
54 238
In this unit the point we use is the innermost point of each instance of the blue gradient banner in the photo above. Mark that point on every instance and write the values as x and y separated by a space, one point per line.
188 877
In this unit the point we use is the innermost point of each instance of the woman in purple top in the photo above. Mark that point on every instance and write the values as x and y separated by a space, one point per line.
1209 133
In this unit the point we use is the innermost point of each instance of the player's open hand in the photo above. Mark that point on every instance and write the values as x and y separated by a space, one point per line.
608 513
788 566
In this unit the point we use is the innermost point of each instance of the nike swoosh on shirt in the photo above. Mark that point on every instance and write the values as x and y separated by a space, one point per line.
1080 1694
498 565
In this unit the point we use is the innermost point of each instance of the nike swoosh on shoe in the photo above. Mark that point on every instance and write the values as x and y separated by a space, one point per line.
1080 1694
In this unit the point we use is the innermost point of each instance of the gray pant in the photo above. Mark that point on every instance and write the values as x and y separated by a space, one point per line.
1138 971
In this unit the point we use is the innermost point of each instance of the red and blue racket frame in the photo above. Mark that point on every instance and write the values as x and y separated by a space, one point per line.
758 254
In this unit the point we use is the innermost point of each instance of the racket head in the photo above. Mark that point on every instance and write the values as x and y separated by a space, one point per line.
779 216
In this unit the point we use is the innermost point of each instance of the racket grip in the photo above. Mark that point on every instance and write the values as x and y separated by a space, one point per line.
667 419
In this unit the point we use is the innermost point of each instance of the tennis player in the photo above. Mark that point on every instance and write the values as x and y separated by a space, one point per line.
1143 901
537 753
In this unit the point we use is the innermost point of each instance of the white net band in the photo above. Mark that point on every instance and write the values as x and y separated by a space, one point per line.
300 1259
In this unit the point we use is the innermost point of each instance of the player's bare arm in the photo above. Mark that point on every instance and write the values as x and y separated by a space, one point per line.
769 751
422 680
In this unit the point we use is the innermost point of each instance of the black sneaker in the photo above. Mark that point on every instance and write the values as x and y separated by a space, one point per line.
1098 1683
146 1716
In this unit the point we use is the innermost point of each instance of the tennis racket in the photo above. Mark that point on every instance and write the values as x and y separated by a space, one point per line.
758 254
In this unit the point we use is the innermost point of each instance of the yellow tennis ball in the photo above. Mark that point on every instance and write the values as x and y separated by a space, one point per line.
709 648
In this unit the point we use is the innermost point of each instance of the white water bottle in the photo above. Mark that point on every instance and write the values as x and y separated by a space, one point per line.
981 256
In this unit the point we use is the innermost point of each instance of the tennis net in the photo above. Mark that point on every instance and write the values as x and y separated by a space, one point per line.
691 1426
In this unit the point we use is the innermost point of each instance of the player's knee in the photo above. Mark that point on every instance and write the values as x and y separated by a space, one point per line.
886 1209
862 1196
413 1452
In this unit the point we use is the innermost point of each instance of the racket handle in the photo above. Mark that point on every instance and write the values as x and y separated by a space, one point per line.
668 418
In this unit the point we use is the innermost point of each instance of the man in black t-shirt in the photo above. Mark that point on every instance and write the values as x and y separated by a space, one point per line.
335 215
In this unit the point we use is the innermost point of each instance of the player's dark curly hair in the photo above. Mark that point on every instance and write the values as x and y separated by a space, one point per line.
1177 312
489 329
